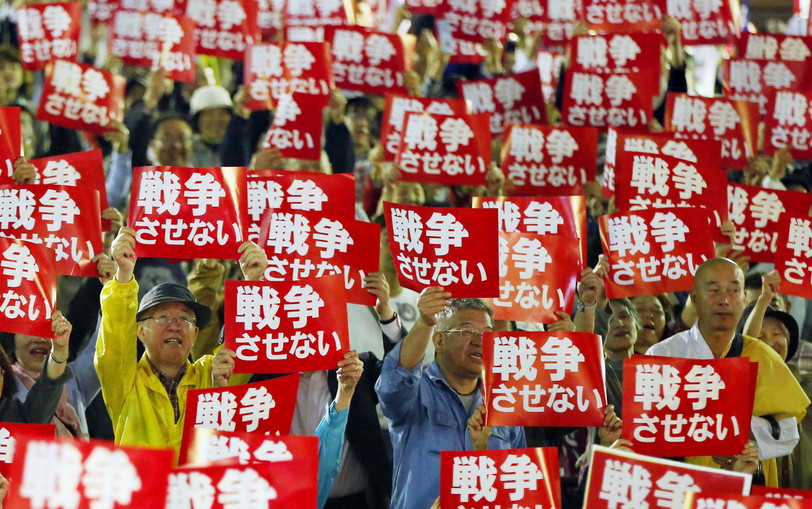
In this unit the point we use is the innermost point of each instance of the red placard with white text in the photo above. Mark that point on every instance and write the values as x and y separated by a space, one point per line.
263 407
618 142
308 20
224 28
793 256
549 65
259 485
758 214
543 215
603 101
654 251
199 212
677 407
478 20
775 47
299 191
269 18
537 276
549 160
706 22
422 6
511 99
66 220
466 52
27 287
447 150
455 248
617 478
500 478
766 491
283 327
544 378
101 10
713 499
789 124
369 61
273 70
624 15
48 31
295 131
734 123
87 475
617 53
10 139
559 20
216 447
9 431
397 106
758 80
81 97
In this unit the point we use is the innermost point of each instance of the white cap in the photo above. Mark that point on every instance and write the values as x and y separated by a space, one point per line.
208 97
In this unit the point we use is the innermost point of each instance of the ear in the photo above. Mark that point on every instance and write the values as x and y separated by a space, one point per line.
194 335
437 339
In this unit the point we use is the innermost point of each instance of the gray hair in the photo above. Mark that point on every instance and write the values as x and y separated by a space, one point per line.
462 305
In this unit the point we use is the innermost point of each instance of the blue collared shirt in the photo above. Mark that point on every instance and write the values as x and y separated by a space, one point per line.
427 416
331 442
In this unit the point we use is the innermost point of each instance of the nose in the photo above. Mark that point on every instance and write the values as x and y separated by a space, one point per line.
174 323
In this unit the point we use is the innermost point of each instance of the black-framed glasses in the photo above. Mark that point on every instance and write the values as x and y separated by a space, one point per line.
165 320
469 335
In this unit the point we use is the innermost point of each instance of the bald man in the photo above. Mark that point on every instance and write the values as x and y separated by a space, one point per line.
780 403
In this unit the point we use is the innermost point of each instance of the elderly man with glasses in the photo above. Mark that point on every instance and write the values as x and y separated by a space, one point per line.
146 398
428 411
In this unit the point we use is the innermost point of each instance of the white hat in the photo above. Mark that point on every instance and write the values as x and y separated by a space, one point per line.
208 97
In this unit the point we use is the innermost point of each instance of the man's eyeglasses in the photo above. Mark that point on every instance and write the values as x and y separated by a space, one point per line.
468 335
165 320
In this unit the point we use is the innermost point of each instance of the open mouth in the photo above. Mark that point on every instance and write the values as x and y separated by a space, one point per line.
476 356
39 351
171 341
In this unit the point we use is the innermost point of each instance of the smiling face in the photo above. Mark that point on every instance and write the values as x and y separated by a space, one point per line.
460 353
776 335
31 351
652 321
622 333
718 295
170 343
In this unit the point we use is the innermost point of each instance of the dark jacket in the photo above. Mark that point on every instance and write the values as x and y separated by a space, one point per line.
40 404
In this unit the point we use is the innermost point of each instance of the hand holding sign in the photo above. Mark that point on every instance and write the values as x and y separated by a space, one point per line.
350 369
222 367
24 172
123 251
253 261
432 300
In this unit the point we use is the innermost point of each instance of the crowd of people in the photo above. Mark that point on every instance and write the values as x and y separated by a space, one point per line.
128 346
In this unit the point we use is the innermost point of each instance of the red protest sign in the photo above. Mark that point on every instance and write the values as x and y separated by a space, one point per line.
269 18
512 99
288 485
734 123
174 7
48 31
548 160
789 124
500 478
549 65
537 276
466 52
396 107
201 212
293 131
81 97
547 215
617 53
51 215
299 191
10 431
477 21
449 247
713 499
602 100
101 10
766 491
370 61
758 214
658 182
301 325
559 20
792 256
654 251
88 475
215 447
757 80
706 22
447 150
224 28
686 407
619 142
306 20
422 6
10 139
775 47
273 70
554 378
263 407
617 478
27 286
624 15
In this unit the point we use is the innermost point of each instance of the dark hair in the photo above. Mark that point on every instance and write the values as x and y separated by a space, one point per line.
167 117
9 380
8 344
753 281
464 305
627 304
9 54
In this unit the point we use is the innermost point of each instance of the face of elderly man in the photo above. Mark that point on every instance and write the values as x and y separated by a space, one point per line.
168 332
718 295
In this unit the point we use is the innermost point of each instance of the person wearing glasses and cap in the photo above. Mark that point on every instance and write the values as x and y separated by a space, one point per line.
146 398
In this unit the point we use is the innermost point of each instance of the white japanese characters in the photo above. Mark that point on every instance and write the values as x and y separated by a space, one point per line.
236 488
789 123
48 31
367 60
514 99
222 27
79 93
543 161
276 70
616 100
799 242
481 479
19 270
219 409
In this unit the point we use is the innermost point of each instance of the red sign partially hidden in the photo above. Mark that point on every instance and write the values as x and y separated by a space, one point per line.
48 31
624 15
758 214
512 99
706 22
766 491
537 276
306 21
197 212
554 378
547 160
447 150
273 70
775 47
677 407
618 478
714 499
758 80
10 431
294 131
734 123
93 474
81 97
454 248
601 100
287 327
477 21
215 447
617 53
500 478
654 251
224 28
789 124
27 287
10 140
549 65
793 256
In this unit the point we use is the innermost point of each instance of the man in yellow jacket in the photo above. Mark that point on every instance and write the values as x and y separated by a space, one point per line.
146 398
